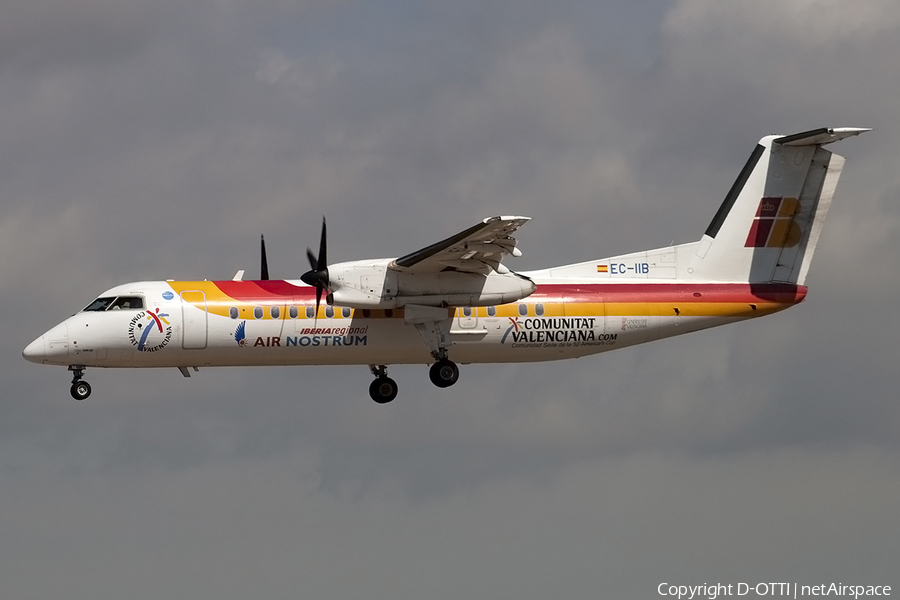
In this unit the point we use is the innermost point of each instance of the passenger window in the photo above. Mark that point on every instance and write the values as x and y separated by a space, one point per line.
257 312
523 310
539 310
293 312
467 311
310 312
233 312
275 312
345 312
329 311
99 304
492 311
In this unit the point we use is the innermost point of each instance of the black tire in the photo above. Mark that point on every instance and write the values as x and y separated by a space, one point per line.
383 390
80 390
444 373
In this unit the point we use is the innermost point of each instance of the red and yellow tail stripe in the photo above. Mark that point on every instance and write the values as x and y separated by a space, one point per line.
774 225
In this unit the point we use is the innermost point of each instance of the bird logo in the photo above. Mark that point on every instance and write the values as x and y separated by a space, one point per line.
240 334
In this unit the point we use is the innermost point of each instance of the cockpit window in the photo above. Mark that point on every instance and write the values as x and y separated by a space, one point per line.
127 302
114 303
100 304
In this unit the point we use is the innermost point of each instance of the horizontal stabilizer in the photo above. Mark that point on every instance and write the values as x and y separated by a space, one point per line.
820 137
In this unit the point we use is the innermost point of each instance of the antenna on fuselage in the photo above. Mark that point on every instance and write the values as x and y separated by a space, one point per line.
264 263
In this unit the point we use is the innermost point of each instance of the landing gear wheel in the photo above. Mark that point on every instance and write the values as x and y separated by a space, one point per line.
444 373
383 389
80 390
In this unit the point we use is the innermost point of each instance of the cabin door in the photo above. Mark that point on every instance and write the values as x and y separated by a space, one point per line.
194 319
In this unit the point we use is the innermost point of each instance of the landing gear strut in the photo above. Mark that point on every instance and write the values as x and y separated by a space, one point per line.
383 389
433 324
444 373
80 389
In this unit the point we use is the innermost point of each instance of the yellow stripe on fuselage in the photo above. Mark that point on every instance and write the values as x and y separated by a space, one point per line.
219 303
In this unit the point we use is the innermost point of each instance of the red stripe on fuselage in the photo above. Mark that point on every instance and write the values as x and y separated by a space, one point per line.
262 292
782 293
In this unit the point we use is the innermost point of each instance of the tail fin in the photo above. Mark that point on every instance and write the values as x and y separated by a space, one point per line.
767 228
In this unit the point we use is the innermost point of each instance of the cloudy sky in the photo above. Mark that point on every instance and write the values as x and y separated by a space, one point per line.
153 139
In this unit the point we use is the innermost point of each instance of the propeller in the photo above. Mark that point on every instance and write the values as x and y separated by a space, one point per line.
264 263
318 274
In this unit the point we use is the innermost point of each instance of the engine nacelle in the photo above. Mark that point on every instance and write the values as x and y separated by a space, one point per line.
456 288
372 284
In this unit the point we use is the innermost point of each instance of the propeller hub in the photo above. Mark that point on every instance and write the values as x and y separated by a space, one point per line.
315 278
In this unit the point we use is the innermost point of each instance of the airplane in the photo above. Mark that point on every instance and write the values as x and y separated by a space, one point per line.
455 300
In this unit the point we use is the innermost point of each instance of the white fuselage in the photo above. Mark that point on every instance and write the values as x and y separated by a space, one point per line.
196 324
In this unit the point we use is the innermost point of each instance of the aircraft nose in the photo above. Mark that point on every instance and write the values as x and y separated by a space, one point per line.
50 348
36 351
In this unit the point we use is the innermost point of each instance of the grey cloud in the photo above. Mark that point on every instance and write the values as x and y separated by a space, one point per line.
620 525
159 143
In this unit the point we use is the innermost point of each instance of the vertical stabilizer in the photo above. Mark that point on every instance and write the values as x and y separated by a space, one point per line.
767 228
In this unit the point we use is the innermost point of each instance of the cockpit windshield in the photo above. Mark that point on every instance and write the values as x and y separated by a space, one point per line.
100 304
115 303
127 302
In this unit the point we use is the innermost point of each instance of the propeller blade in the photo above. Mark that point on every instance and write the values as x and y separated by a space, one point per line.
318 274
264 263
322 263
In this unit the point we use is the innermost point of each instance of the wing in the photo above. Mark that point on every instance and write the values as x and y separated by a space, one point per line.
478 249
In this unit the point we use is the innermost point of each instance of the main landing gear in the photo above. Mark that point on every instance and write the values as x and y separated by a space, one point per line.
383 389
444 373
80 389
433 324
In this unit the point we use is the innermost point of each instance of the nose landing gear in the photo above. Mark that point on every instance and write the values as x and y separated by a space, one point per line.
80 389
